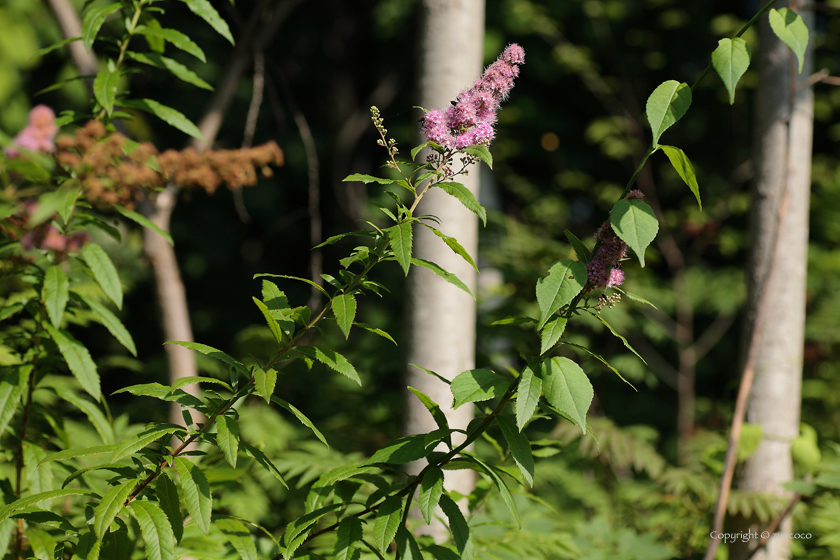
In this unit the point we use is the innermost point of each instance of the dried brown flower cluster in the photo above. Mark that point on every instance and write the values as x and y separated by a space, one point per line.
114 170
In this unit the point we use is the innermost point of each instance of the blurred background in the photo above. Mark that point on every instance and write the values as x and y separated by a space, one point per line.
567 141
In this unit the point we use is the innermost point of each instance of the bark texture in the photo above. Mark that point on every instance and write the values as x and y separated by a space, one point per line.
778 264
441 317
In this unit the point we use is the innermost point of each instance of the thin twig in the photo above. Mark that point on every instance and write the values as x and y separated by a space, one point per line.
771 529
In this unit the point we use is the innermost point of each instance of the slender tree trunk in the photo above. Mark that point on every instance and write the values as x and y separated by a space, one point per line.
778 263
442 317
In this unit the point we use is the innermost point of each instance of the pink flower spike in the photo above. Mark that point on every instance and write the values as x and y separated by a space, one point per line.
514 54
616 278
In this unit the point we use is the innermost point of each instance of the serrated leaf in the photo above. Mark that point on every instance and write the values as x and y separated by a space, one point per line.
567 388
276 332
378 332
731 59
789 27
331 359
170 503
105 89
264 382
95 416
154 526
48 518
239 537
77 452
407 547
480 152
551 333
113 324
682 165
388 518
277 302
193 380
565 280
504 491
166 114
87 548
446 275
638 298
111 505
301 418
580 249
204 10
137 443
175 68
78 360
349 532
196 490
145 222
528 396
154 390
618 336
176 38
41 52
213 353
520 448
465 197
666 105
600 359
358 177
437 414
513 321
458 526
403 450
55 294
431 489
344 309
103 271
93 21
636 224
400 236
477 385
439 552
306 280
24 503
297 530
264 461
228 438
433 374
453 244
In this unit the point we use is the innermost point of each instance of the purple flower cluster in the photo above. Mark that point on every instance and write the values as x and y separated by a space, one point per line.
471 117
604 268
38 135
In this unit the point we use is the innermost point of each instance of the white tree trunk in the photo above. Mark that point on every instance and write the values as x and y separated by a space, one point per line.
778 264
442 317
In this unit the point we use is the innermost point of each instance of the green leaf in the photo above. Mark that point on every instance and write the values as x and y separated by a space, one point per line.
297 530
77 452
481 153
431 489
47 518
55 294
401 238
112 323
24 503
520 448
344 309
331 359
228 438
407 548
636 224
465 197
507 497
264 461
580 249
513 321
145 222
105 88
93 22
178 39
731 59
103 271
306 280
264 382
637 298
204 10
388 518
439 552
403 450
154 526
666 105
175 68
129 447
78 360
154 390
213 353
551 334
277 302
448 276
95 416
793 32
453 244
301 418
349 532
111 505
565 280
198 379
166 114
600 359
358 177
41 52
270 321
437 414
567 388
170 503
528 396
239 537
618 336
682 165
376 331
458 526
88 547
196 490
433 374
477 385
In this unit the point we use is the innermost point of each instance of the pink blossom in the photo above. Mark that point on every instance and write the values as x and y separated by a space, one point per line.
461 116
616 278
38 135
514 54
